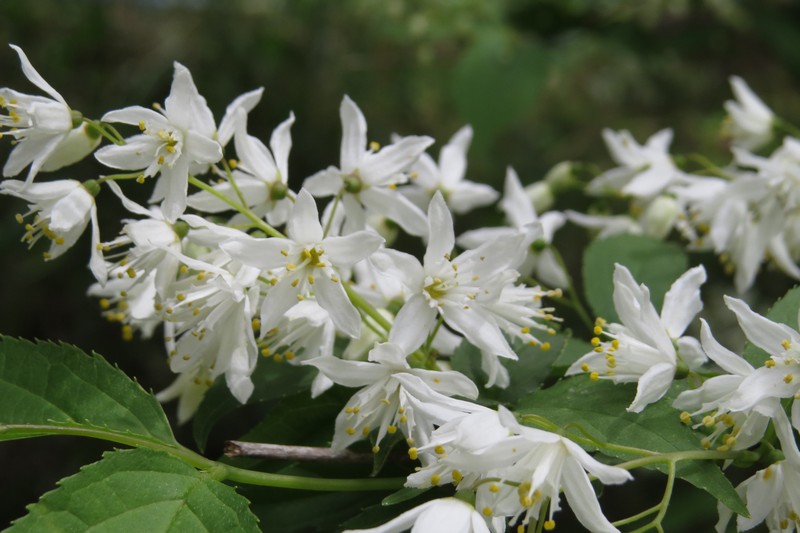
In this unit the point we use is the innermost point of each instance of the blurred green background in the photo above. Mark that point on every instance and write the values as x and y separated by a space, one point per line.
538 80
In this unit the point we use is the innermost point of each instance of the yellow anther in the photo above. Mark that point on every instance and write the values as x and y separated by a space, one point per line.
585 367
487 511
403 419
104 303
142 125
131 273
350 431
195 311
767 473
255 323
365 431
391 430
551 331
278 358
334 279
376 449
265 352
374 146
295 282
180 296
310 279
439 449
686 418
545 346
413 454
184 269
290 266
127 333
788 378
494 487
233 164
598 349
457 476
549 525
594 376
598 330
289 356
786 344
769 363
161 160
435 479
285 253
401 409
186 357
526 501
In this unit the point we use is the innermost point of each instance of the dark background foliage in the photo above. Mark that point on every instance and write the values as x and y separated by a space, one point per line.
538 80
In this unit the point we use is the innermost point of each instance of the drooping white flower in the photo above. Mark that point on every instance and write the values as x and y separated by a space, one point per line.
208 328
737 429
529 468
780 375
644 171
461 195
751 120
771 495
540 262
642 348
44 130
306 262
445 515
260 175
394 396
457 289
367 177
61 211
182 133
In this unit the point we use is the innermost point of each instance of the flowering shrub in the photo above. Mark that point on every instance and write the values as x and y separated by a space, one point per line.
482 381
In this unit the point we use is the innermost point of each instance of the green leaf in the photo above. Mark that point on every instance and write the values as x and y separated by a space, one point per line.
573 350
651 261
597 409
272 381
404 494
139 491
50 389
526 374
783 311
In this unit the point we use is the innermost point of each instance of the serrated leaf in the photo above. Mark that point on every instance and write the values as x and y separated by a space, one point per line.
598 408
272 381
139 491
783 311
653 262
526 374
49 388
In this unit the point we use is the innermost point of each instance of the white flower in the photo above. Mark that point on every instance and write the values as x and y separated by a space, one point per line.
644 171
42 127
260 176
368 177
780 375
208 327
750 119
306 262
456 289
540 262
395 396
643 346
62 209
771 495
529 468
445 515
741 429
461 195
181 134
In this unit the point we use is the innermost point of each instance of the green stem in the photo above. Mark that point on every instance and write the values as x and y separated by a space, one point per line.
255 219
232 181
572 292
358 301
709 166
333 212
100 128
787 127
223 471
664 504
637 516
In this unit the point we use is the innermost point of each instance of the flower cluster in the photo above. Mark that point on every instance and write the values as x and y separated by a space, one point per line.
235 265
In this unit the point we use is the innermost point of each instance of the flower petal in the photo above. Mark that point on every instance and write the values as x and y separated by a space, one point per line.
303 225
413 323
354 135
652 386
34 77
682 301
332 297
583 500
441 238
761 331
350 249
396 207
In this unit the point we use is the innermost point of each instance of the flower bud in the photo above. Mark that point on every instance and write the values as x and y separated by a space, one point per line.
78 143
540 195
660 215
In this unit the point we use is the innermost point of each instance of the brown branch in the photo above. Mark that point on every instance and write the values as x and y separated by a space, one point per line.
235 448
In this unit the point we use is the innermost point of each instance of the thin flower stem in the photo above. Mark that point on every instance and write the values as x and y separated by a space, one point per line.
709 166
358 301
787 127
232 181
257 221
638 516
571 291
100 128
664 504
336 201
426 349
